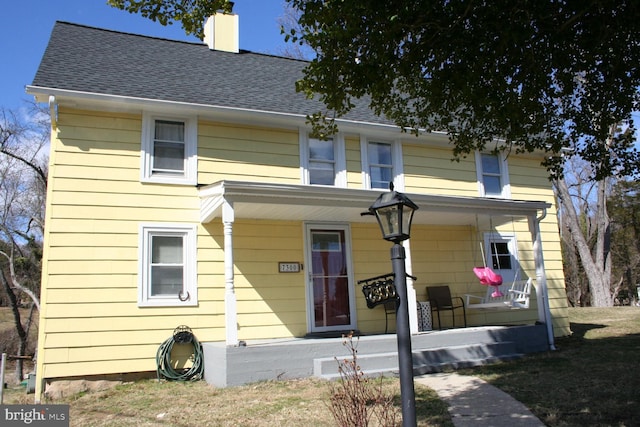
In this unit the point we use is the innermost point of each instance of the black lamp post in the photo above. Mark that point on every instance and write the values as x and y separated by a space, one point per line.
394 212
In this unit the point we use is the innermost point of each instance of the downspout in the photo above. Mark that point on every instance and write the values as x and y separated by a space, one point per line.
53 112
544 313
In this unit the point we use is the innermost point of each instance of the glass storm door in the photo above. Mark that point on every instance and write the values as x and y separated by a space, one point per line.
330 290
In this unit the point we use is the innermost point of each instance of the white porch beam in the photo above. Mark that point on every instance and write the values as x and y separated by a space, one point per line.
258 200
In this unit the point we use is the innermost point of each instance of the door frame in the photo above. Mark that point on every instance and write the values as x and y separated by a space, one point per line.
346 228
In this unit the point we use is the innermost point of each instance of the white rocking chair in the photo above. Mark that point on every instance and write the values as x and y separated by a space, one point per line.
514 295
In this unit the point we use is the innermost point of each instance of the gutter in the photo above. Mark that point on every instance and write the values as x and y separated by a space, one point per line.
293 120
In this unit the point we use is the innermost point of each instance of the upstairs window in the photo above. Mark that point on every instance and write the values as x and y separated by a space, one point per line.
493 176
167 265
380 165
169 150
323 161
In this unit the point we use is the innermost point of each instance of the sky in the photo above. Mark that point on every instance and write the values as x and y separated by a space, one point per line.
25 27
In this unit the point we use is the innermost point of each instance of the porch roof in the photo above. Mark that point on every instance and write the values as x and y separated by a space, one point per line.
259 200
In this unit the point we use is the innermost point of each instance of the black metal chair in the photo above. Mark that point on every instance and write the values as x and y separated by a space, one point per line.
390 308
440 299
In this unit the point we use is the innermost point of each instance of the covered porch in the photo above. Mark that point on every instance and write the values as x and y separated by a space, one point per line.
230 201
433 351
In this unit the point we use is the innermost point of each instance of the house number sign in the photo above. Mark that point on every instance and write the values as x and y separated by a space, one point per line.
289 267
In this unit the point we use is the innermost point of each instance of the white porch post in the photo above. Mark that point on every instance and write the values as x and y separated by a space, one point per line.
411 291
542 294
230 303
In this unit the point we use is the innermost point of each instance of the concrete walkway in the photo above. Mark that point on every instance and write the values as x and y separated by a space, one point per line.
474 402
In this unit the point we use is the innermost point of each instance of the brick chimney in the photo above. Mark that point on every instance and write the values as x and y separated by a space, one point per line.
221 32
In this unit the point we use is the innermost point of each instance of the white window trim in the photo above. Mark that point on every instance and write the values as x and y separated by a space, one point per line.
397 171
339 156
508 275
190 176
190 291
504 175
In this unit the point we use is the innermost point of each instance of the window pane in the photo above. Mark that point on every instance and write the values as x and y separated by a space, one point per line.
168 156
492 185
168 147
329 241
500 255
169 131
166 280
320 150
321 176
379 153
380 177
490 164
166 249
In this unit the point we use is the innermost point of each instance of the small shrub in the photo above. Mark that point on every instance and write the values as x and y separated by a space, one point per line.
357 400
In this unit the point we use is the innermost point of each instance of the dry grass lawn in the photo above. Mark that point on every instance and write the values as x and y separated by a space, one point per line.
266 404
592 379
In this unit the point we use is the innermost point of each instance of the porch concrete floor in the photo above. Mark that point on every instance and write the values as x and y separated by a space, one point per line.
433 351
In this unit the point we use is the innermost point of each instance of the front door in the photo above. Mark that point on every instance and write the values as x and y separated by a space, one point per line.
330 290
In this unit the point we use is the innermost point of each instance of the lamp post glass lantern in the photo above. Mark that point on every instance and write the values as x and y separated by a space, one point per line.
394 212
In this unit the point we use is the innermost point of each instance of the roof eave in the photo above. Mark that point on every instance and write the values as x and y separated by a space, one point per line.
127 103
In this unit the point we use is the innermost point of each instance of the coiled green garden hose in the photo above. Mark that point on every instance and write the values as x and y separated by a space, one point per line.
181 335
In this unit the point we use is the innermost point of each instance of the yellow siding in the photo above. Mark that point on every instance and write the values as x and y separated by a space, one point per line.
370 258
354 163
430 170
225 151
101 367
269 302
95 205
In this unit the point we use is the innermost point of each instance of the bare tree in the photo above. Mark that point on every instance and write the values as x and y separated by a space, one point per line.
578 178
624 210
24 138
288 25
583 201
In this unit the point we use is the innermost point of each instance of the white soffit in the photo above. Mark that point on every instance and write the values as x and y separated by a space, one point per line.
286 202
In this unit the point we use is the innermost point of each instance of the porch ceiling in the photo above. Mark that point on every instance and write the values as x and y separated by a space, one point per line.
258 200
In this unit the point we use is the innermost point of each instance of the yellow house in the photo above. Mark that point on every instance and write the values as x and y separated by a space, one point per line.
185 189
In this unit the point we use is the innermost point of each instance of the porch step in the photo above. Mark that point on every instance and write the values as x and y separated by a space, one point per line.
437 360
424 360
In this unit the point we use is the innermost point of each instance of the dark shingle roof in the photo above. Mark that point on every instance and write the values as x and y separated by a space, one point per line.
86 59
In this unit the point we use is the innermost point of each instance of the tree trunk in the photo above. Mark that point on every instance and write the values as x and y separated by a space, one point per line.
22 334
597 268
22 347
